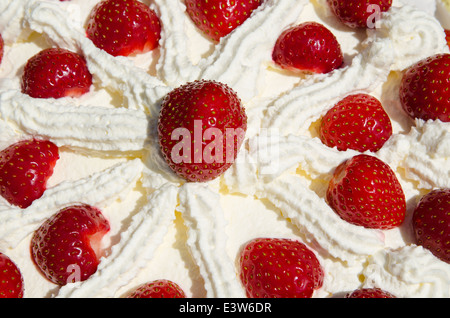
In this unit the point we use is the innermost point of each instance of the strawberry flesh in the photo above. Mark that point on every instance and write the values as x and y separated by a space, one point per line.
279 268
357 122
365 191
431 223
62 247
11 280
25 168
424 90
161 288
308 47
124 27
56 73
218 18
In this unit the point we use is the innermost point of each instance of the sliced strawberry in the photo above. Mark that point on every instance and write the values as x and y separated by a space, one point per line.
161 288
124 27
431 223
218 18
357 122
201 127
369 293
424 90
279 268
24 170
308 47
11 280
67 246
365 191
359 13
56 73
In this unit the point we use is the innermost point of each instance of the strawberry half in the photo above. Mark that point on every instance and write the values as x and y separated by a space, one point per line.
370 293
24 170
424 90
357 122
124 27
201 127
218 18
308 47
359 13
66 247
56 73
11 280
431 223
161 288
365 191
279 268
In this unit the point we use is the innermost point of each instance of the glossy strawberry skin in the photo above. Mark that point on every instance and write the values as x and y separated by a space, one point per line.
369 293
56 73
216 107
124 27
66 246
424 89
357 13
25 168
431 223
308 47
11 280
161 288
365 191
279 268
357 122
218 18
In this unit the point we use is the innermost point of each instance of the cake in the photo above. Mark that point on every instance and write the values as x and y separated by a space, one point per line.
191 233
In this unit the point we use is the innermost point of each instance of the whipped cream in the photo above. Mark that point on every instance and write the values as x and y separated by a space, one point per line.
162 227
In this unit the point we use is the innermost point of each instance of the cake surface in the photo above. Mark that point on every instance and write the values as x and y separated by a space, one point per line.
191 233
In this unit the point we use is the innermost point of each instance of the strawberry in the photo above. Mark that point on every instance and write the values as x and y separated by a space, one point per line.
279 268
2 50
357 122
66 247
56 73
11 280
195 113
431 223
218 18
424 89
161 288
369 293
365 191
447 37
308 47
124 27
359 13
24 170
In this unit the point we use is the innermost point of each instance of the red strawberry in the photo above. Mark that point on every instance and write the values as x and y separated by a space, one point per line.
279 268
365 191
431 223
11 281
357 122
447 37
424 90
24 170
218 18
161 288
124 27
56 73
369 293
308 47
66 247
210 121
359 13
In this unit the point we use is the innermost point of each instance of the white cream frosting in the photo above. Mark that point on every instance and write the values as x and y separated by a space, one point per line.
192 233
